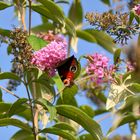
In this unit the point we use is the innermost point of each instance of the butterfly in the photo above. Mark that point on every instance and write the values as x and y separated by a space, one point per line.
68 70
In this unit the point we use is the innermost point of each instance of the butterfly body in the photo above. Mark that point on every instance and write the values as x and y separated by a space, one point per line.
67 70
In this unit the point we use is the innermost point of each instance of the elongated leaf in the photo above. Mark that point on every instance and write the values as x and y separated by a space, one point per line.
67 96
81 118
86 36
4 5
76 13
44 12
64 126
54 9
0 95
4 108
45 27
15 122
106 2
124 120
58 82
48 106
86 137
58 131
20 135
103 39
9 75
4 32
88 110
17 107
36 42
117 55
70 28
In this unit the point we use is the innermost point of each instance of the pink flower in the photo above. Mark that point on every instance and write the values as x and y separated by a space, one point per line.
49 57
130 67
98 66
137 9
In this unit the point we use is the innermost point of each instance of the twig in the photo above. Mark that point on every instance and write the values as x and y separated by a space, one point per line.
30 15
8 91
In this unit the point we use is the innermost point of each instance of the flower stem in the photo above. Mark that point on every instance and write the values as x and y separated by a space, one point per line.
32 111
30 15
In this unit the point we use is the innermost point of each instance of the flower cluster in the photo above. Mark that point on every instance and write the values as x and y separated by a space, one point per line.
98 67
116 25
136 9
49 57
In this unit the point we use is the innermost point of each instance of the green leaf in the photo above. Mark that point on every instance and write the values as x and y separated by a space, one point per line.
131 17
85 36
15 122
70 28
4 5
100 111
4 108
103 40
5 32
81 118
106 2
64 126
76 13
45 27
47 106
58 131
67 96
86 137
123 120
36 42
58 82
42 10
117 55
88 110
9 75
54 9
17 107
20 135
1 96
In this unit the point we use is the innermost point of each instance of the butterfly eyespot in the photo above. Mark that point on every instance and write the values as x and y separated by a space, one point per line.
73 69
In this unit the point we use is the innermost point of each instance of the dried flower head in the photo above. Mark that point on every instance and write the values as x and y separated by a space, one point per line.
20 47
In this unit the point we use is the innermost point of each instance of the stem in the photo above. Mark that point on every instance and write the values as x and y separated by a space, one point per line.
134 136
8 91
32 111
30 15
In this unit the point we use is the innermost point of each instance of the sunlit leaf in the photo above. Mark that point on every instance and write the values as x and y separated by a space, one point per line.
106 2
81 118
15 122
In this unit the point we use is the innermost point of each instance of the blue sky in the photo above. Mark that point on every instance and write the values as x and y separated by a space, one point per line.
7 22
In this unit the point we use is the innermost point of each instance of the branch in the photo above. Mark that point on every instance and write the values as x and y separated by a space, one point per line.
8 91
